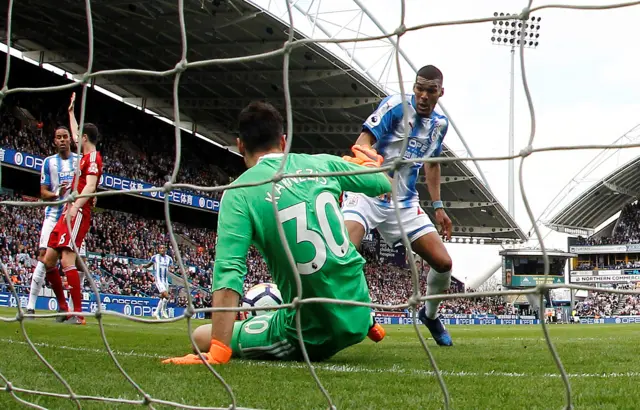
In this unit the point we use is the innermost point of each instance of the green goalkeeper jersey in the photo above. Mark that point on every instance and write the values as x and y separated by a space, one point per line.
329 264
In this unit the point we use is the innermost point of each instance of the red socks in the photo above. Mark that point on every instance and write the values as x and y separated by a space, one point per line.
53 276
73 278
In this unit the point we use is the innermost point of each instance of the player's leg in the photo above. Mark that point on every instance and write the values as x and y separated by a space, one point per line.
37 279
51 257
360 216
73 278
164 300
162 290
431 249
426 242
79 227
260 338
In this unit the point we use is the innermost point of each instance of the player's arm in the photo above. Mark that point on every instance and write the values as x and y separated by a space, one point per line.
45 183
94 169
369 184
235 232
378 127
366 138
90 188
73 123
380 124
432 171
150 264
222 322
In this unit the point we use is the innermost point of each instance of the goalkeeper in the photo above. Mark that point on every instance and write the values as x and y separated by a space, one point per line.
329 265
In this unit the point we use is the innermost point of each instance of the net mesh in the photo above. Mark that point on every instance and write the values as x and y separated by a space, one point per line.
285 51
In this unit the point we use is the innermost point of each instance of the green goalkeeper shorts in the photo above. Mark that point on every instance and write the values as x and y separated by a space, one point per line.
272 337
263 338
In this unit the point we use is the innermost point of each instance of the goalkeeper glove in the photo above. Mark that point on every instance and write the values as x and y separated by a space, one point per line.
364 155
219 353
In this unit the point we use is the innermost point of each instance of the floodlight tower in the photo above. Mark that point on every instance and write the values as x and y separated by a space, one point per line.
510 33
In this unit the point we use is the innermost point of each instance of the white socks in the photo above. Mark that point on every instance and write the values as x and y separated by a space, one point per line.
437 283
161 306
37 282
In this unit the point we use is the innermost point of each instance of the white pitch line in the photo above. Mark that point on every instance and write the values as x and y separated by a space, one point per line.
336 368
83 349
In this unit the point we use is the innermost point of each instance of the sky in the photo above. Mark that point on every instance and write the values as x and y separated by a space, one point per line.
583 77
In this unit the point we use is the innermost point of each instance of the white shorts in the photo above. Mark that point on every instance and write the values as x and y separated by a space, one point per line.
162 286
47 228
365 210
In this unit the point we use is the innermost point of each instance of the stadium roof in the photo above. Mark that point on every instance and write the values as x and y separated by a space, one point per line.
601 201
330 98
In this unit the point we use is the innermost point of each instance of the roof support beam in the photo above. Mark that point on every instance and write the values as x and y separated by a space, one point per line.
328 129
323 103
446 179
621 190
480 230
573 230
458 204
232 77
208 50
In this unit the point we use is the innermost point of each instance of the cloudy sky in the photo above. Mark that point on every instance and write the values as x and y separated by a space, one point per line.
583 77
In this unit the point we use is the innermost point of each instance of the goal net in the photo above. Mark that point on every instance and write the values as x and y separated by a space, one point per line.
22 394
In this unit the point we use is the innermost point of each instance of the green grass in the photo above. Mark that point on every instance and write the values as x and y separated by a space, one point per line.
490 367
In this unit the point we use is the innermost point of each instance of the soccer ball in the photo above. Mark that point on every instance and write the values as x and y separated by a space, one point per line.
261 295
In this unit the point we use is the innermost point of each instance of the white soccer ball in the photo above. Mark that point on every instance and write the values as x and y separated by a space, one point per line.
262 295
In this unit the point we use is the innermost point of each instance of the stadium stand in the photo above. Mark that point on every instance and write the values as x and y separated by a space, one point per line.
625 231
126 148
119 242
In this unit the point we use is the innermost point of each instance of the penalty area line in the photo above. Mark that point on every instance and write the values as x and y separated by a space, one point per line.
337 368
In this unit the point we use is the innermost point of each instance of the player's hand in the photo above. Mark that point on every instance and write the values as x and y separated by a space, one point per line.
365 156
442 219
63 188
72 102
219 353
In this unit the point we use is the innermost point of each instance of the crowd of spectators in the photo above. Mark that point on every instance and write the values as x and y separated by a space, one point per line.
626 231
493 305
120 242
591 265
602 304
145 158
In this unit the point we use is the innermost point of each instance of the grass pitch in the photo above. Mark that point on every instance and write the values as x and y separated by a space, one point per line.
490 367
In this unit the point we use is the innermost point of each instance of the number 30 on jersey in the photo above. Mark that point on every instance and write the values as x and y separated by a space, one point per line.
319 242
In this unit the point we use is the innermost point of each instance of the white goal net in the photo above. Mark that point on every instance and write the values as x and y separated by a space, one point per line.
284 52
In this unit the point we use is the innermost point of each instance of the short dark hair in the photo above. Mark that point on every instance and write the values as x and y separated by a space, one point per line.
91 131
61 127
260 126
430 72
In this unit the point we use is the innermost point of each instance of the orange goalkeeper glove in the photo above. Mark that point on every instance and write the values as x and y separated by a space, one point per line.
364 155
219 353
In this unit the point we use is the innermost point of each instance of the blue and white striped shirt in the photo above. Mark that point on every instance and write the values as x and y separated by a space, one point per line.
55 172
425 140
161 266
